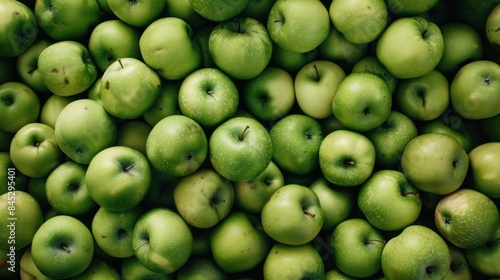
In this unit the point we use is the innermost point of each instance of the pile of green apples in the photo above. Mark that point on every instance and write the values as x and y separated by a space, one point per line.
249 139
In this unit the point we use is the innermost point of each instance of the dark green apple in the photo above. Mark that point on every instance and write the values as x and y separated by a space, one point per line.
484 258
19 28
27 66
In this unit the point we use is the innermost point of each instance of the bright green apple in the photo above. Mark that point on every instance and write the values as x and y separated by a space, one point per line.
19 28
139 13
166 104
293 262
20 106
371 64
484 162
27 66
335 47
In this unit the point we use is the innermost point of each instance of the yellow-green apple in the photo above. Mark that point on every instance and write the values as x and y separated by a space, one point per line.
166 103
250 38
34 150
203 198
67 191
28 269
346 158
292 215
371 64
417 252
390 139
467 218
357 248
459 268
67 68
113 39
425 97
173 55
20 106
469 40
162 240
19 28
118 178
250 196
208 96
62 20
21 216
301 33
410 47
315 86
218 10
203 267
53 106
484 259
389 201
238 243
240 149
187 146
484 168
296 139
492 26
270 95
474 88
362 101
293 262
360 21
335 47
83 129
27 66
138 13
133 134
435 163
112 231
63 247
406 8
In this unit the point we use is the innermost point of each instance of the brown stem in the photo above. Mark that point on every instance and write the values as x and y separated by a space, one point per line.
411 193
121 64
317 72
243 133
140 246
376 240
308 213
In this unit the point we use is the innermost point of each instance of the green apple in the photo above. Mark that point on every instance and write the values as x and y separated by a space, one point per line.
202 37
474 13
20 106
425 97
21 216
133 134
406 8
27 66
53 106
435 163
166 104
28 269
113 39
484 162
37 187
337 203
240 149
132 269
296 139
292 215
357 248
315 86
161 191
173 55
201 268
138 13
218 10
346 158
270 95
129 88
203 198
162 240
67 191
469 40
459 268
416 253
250 38
208 96
390 139
492 25
484 259
335 47
301 33
98 270
67 68
410 47
473 90
34 150
258 9
467 218
389 201
238 243
11 178
187 146
291 61
183 10
250 196
118 178
361 21
293 262
63 20
112 231
371 64
362 101
19 28
452 124
62 247
83 129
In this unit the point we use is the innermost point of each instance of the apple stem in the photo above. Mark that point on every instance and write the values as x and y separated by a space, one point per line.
140 246
66 249
317 72
411 193
242 136
127 169
309 213
218 200
121 64
376 240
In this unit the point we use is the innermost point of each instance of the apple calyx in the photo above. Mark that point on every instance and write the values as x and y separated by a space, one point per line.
7 100
121 233
216 200
366 111
487 81
72 186
307 212
242 136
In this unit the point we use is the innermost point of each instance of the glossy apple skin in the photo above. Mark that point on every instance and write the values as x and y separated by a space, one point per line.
484 167
20 106
21 31
293 261
484 258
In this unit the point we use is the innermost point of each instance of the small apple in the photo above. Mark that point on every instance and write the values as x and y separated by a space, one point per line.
20 106
53 106
293 262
